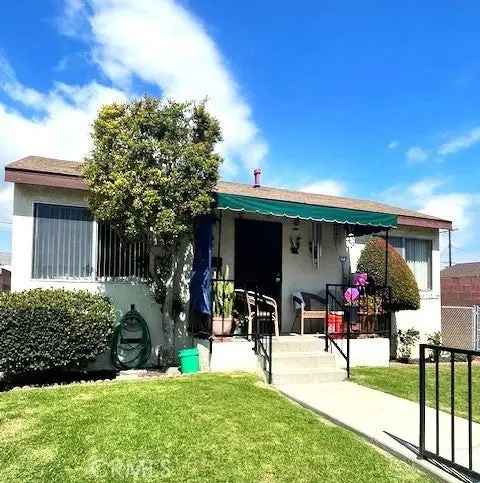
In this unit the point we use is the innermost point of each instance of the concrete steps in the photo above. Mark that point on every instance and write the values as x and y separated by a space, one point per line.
307 376
303 360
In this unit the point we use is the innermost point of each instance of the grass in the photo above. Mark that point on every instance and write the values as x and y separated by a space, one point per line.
201 428
402 380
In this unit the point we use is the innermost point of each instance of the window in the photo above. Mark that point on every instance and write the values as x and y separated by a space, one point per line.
63 247
118 259
397 243
62 242
417 253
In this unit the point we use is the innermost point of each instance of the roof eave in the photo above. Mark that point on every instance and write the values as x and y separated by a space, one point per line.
73 181
419 222
44 178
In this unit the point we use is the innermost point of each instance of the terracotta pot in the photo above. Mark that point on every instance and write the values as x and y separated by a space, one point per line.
222 326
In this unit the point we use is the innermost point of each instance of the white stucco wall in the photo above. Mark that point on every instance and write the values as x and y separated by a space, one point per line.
122 294
297 270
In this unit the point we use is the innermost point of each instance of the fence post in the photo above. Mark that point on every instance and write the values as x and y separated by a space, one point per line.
476 324
421 445
325 327
349 321
269 336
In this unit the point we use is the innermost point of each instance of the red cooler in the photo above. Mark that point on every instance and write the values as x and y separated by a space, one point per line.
335 324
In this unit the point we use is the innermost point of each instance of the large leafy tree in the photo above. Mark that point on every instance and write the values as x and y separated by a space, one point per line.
152 170
405 294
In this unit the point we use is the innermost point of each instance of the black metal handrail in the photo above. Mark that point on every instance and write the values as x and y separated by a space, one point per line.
367 314
263 335
451 353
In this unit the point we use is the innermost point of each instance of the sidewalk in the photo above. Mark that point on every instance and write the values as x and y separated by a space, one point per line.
389 421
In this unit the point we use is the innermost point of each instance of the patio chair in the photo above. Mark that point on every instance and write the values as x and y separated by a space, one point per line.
255 302
308 306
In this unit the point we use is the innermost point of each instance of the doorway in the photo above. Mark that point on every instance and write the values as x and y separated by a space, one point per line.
258 257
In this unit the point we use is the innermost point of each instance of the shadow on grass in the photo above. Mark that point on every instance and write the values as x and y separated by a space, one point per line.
457 471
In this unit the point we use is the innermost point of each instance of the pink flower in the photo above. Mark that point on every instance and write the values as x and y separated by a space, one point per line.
351 294
360 279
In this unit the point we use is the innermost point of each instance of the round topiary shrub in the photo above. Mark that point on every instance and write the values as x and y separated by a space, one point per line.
51 329
405 294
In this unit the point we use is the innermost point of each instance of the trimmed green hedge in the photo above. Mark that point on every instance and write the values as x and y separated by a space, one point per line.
405 294
45 329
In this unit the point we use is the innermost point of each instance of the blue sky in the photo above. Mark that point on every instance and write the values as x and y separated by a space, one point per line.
368 99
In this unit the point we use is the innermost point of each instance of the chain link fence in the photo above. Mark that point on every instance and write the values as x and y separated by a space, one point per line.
461 327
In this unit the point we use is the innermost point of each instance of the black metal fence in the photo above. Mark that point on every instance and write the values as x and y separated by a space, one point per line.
449 398
353 312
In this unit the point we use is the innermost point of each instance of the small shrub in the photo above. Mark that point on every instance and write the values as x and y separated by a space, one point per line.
406 341
405 294
49 329
435 338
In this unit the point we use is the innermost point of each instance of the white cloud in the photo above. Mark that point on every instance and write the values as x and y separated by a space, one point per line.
462 208
424 188
393 144
158 42
163 44
60 125
6 206
326 187
73 21
460 143
416 154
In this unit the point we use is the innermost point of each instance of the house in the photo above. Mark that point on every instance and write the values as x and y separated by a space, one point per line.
5 271
460 284
282 241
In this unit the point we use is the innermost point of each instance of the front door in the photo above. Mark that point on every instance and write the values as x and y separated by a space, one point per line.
258 257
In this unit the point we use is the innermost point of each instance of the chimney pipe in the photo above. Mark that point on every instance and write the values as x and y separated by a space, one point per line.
256 173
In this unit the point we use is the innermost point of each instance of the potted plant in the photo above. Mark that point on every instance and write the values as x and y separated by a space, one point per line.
223 299
406 341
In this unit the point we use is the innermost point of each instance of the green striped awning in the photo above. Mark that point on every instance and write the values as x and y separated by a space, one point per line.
303 211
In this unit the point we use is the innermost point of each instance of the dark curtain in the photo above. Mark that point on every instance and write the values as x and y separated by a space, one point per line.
200 283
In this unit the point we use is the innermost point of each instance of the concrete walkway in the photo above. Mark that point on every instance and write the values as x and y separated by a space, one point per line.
389 421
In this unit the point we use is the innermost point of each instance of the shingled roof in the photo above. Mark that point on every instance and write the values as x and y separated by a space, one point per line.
69 173
471 269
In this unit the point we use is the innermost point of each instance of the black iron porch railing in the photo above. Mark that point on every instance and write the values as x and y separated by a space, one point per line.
456 386
353 312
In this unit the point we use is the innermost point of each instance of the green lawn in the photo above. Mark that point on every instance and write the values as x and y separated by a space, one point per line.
200 428
402 380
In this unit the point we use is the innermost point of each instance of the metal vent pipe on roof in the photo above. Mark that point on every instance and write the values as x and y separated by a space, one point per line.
256 174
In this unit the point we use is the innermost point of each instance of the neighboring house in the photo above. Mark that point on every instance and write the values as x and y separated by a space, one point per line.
461 305
461 284
283 241
5 271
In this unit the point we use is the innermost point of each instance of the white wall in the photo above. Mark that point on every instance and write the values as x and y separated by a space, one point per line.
297 270
374 352
122 294
428 318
